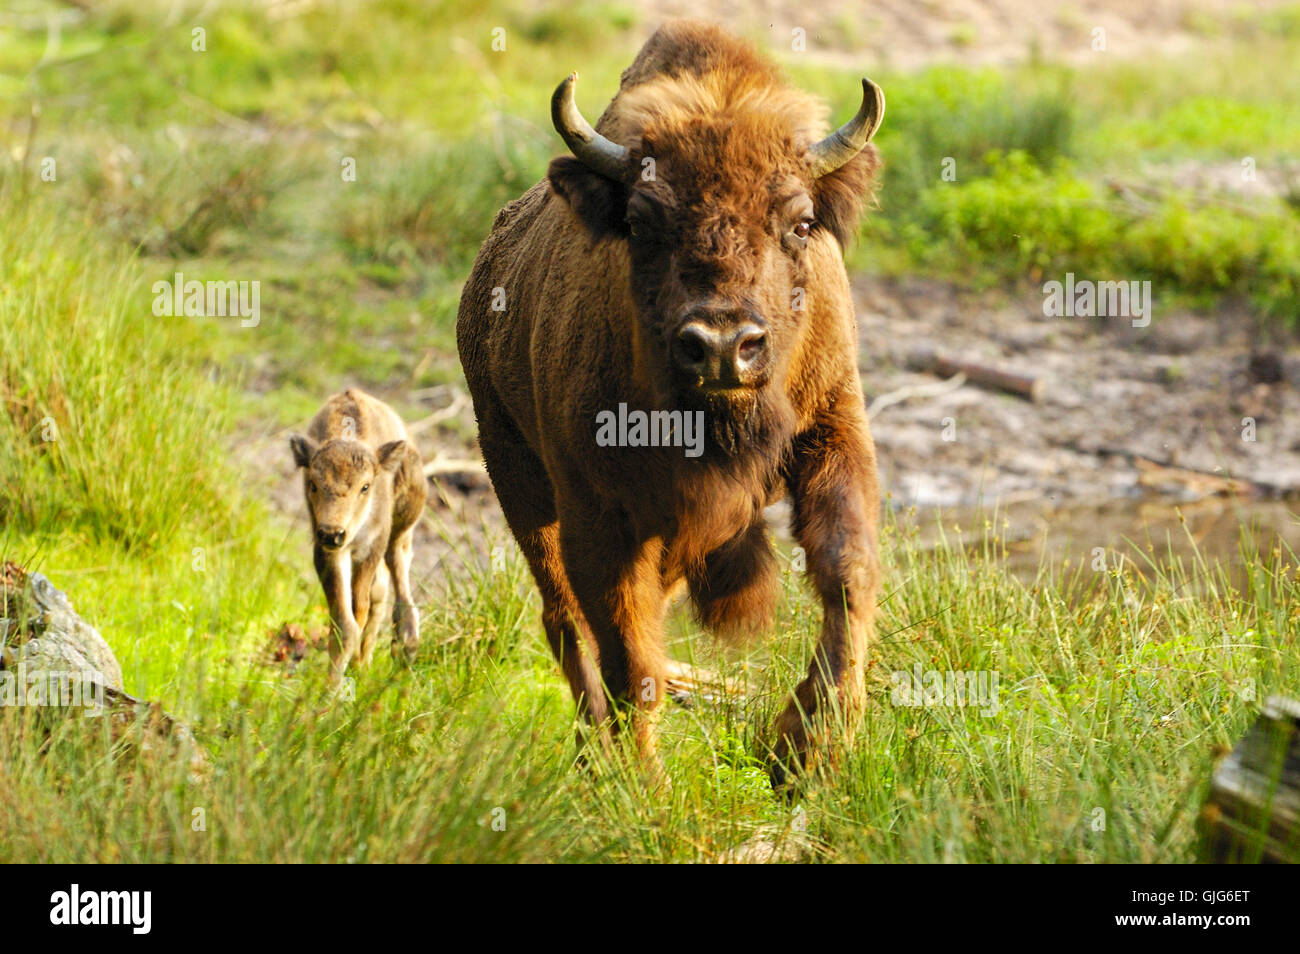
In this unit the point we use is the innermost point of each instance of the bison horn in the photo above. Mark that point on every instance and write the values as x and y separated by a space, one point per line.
594 150
851 138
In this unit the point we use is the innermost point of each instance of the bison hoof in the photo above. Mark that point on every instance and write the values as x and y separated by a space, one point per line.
785 772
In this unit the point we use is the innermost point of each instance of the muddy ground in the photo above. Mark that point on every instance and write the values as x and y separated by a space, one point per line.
1124 411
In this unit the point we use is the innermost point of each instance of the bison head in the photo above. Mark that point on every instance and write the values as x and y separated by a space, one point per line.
727 206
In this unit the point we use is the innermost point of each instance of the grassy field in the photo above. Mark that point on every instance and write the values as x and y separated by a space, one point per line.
1116 689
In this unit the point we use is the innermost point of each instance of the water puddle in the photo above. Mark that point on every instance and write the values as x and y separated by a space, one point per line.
1213 532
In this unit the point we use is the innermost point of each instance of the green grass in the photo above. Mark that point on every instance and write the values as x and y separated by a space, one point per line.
1114 700
82 356
227 165
1053 170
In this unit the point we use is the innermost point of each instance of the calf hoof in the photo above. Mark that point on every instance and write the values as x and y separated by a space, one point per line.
406 633
403 652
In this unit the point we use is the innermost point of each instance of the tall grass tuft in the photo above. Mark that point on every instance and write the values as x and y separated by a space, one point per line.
107 425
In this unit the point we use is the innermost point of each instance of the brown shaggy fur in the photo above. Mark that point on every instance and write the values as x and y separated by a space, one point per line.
596 275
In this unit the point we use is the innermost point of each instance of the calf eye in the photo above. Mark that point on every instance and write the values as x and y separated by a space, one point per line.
803 229
365 488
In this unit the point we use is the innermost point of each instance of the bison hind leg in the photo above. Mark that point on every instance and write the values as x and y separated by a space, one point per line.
735 588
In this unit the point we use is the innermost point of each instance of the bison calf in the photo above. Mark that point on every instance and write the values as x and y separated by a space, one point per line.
365 488
685 264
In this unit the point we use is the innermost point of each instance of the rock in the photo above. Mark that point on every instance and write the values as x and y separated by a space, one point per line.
44 643
770 845
1265 367
42 631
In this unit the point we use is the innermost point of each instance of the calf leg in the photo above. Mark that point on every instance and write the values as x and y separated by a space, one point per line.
380 596
410 492
836 512
406 617
363 583
335 574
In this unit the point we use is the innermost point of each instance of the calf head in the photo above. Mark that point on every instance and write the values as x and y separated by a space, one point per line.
341 478
721 199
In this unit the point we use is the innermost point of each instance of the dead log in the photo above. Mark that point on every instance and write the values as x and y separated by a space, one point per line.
1187 483
928 360
459 402
1252 814
1167 476
687 683
439 467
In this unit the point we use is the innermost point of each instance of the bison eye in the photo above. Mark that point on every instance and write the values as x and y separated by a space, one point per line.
638 228
803 229
311 486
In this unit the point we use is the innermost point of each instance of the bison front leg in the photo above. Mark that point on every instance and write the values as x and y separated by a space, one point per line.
836 514
617 583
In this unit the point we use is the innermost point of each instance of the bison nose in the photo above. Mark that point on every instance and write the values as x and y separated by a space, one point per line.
331 538
731 357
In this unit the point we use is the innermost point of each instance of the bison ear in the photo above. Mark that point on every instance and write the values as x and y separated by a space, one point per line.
303 448
600 203
391 455
840 196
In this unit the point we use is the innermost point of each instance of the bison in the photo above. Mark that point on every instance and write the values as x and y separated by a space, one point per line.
685 262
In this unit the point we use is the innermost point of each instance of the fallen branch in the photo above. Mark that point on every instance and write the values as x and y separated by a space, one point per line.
459 401
1160 475
686 683
441 465
913 391
1021 385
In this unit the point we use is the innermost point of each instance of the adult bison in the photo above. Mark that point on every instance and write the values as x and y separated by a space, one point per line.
685 263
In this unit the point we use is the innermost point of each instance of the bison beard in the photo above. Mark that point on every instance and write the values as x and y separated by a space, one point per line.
674 292
747 424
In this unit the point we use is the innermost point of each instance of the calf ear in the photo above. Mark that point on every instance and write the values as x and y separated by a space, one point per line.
391 455
599 203
303 448
840 196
